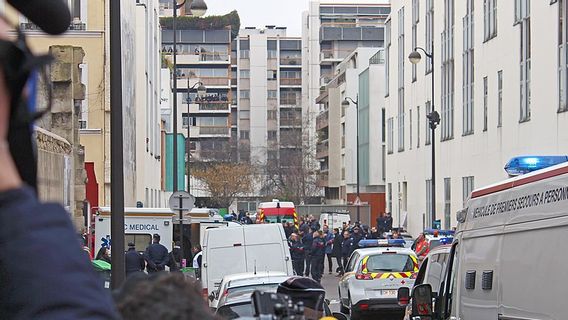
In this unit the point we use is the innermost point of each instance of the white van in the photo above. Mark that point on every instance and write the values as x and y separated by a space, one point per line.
247 248
334 220
505 262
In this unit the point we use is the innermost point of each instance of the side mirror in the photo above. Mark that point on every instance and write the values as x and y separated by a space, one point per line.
403 296
340 316
212 296
422 300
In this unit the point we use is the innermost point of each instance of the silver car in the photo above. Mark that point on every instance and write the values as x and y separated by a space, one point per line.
372 278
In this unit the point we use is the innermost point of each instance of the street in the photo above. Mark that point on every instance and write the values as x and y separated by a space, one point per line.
329 283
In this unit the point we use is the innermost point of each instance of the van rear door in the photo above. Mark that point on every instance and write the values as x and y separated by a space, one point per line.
265 249
224 254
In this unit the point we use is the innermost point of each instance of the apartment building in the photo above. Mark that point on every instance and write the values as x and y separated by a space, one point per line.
331 30
500 88
350 138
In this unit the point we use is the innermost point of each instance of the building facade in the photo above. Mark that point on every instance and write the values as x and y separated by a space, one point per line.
500 89
331 30
346 132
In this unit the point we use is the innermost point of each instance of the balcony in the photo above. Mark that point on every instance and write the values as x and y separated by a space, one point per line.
291 61
290 99
210 107
290 81
322 120
210 131
290 122
322 180
322 150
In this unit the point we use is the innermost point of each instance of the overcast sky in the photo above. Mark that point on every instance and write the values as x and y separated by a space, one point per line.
259 13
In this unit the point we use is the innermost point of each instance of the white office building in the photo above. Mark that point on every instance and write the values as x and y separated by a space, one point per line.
500 88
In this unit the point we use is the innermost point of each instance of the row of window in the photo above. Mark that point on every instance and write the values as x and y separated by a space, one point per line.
467 187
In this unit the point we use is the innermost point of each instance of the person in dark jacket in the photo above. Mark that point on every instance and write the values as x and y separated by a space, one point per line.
317 253
328 238
297 254
134 261
156 256
307 241
336 250
346 249
356 237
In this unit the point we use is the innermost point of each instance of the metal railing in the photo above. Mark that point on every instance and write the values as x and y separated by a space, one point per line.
80 26
214 106
291 61
290 81
214 130
290 122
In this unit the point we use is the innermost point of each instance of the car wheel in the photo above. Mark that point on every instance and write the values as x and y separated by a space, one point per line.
354 315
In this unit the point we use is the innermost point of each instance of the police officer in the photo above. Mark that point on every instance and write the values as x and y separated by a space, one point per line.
297 254
328 239
317 253
356 237
134 261
156 255
307 241
346 249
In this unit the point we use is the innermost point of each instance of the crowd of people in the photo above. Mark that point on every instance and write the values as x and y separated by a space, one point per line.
154 259
311 244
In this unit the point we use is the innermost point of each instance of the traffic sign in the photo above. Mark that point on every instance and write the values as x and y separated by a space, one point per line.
357 202
181 201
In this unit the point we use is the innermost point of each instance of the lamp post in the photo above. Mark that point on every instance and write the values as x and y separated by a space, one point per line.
434 120
345 104
198 8
201 91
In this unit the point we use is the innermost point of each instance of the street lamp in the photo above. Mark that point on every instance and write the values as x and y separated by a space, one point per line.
433 119
200 8
346 103
201 91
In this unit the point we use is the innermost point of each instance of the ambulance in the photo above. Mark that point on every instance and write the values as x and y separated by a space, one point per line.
505 261
276 212
139 226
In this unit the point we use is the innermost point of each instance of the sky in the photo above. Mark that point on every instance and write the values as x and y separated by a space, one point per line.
259 13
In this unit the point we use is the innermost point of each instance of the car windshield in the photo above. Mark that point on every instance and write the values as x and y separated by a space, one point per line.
235 311
239 291
390 263
434 244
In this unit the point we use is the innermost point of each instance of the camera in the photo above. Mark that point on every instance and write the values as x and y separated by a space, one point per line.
272 306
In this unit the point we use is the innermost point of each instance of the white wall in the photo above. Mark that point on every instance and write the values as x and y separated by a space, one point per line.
376 104
148 79
258 98
484 153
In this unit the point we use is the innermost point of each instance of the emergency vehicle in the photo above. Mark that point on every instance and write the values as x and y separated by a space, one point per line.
503 263
373 275
276 212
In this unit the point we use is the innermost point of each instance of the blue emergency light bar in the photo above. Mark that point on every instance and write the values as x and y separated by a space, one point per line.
525 164
446 241
370 243
440 232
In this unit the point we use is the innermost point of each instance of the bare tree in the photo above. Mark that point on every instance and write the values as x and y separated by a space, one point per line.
226 181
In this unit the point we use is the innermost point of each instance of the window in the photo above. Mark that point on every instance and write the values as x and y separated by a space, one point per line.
389 199
490 19
467 187
390 128
272 94
429 32
428 198
447 116
410 127
245 54
392 262
272 54
245 94
562 56
415 19
522 10
383 126
245 73
427 126
401 60
499 98
244 114
447 202
485 103
271 74
468 70
387 56
525 63
418 126
272 114
272 135
244 134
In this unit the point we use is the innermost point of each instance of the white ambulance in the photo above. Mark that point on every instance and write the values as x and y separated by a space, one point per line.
508 259
139 226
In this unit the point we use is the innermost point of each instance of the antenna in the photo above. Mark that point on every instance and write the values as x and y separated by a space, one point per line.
255 267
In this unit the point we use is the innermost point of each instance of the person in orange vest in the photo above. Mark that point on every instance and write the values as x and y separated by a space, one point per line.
422 247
